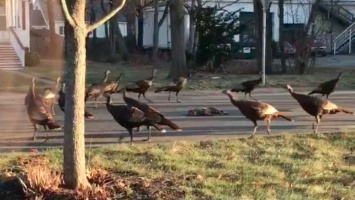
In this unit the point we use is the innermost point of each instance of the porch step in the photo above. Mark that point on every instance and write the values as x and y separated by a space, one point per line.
9 60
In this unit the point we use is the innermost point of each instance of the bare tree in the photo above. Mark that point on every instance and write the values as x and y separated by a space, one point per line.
282 36
194 45
157 24
93 19
177 16
74 124
302 49
139 6
192 11
52 34
104 10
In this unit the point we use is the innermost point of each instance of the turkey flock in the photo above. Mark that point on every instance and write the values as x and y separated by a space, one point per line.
134 114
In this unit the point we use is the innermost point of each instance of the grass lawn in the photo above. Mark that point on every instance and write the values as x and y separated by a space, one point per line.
202 81
11 82
284 167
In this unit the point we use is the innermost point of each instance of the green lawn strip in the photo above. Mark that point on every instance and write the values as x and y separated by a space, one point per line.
280 167
50 70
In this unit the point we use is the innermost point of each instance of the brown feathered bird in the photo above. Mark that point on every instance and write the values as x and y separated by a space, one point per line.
256 110
61 102
49 96
38 113
130 117
141 86
96 90
315 106
150 112
327 87
112 86
179 85
248 86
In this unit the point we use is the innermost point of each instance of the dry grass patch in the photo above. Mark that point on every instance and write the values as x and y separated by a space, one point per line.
282 167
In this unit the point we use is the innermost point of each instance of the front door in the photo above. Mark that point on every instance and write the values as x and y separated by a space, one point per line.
4 34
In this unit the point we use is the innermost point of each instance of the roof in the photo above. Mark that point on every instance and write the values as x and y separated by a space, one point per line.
57 10
36 18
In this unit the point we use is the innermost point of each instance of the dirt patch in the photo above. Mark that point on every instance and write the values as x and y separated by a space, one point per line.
33 179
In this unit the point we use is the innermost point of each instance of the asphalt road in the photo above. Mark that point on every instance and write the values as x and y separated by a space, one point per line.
16 130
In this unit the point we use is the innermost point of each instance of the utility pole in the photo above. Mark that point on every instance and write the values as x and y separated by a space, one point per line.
331 24
266 5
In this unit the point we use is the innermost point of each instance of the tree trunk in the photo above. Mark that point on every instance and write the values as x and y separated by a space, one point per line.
157 24
155 30
178 64
112 23
140 19
122 47
102 4
52 35
190 43
268 60
131 33
282 36
74 124
194 45
92 20
258 25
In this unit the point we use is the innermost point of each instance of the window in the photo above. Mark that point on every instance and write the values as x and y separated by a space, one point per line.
61 30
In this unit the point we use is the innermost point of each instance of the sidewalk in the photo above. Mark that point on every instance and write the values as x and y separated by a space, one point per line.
46 81
258 90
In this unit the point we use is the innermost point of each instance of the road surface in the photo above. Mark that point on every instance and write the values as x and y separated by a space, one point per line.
16 129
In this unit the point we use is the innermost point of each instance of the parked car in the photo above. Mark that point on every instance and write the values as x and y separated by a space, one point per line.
315 46
289 50
318 47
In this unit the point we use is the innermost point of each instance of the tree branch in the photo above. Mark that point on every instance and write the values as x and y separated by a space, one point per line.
93 26
147 4
67 15
165 13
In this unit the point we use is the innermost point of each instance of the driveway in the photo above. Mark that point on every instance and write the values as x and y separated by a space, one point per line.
336 61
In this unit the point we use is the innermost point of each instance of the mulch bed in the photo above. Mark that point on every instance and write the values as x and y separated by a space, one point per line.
22 183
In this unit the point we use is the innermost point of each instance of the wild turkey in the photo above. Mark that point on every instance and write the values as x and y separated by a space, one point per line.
179 85
37 112
315 106
95 90
327 87
49 96
61 102
256 110
130 117
248 86
150 112
141 86
112 86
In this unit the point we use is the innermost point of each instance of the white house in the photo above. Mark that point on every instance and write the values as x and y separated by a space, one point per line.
40 20
296 15
14 33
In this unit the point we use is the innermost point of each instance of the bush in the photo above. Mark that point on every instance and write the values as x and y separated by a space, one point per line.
32 58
